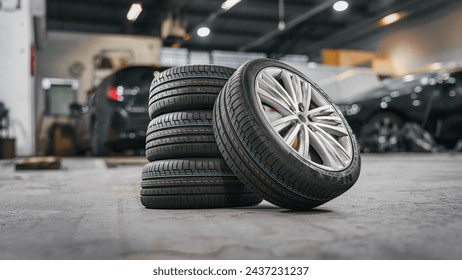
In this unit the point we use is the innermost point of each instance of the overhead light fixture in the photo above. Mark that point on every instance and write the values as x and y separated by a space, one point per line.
228 4
135 11
203 31
340 6
391 18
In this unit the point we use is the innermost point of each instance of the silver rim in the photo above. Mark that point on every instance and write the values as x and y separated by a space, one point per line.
304 119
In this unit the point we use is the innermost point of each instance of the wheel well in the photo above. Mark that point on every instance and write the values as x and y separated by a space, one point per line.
92 123
391 111
371 116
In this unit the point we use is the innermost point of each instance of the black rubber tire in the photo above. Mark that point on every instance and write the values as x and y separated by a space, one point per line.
191 87
181 135
193 183
99 147
261 159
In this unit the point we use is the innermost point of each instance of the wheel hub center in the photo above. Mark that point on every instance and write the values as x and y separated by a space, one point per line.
302 118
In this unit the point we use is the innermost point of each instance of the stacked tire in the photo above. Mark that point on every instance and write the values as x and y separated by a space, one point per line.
186 169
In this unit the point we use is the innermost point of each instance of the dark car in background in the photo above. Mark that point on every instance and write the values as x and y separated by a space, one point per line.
118 110
433 101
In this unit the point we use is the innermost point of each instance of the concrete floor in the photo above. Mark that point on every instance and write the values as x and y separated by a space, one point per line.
402 207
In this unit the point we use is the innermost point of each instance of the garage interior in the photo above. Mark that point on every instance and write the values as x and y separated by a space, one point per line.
65 197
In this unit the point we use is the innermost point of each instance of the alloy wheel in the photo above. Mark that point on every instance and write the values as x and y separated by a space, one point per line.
304 119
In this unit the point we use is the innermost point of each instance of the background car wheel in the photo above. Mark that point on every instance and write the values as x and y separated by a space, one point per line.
192 87
99 148
283 136
414 138
381 133
181 135
193 183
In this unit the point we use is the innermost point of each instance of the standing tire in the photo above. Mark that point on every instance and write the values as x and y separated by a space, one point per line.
283 136
181 135
193 183
192 87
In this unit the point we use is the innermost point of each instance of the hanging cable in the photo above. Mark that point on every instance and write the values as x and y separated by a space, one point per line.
282 23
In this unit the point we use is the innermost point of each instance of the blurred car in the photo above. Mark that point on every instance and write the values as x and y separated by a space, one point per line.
431 100
118 110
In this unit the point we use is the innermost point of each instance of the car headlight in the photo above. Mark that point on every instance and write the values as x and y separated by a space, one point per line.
354 109
349 110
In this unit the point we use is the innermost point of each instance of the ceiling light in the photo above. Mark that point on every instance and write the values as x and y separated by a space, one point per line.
391 18
228 4
203 31
340 6
135 11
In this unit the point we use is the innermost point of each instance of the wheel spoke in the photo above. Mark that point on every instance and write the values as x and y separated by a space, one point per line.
336 145
268 88
285 76
320 147
334 130
332 120
336 156
282 123
323 110
281 107
304 146
297 85
307 96
292 134
275 88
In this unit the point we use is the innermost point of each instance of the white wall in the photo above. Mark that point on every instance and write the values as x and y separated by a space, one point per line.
438 39
16 81
63 49
414 43
342 84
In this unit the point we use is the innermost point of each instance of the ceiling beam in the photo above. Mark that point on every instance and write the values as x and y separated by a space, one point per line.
80 26
89 20
244 15
343 36
63 6
234 32
290 25
235 16
304 34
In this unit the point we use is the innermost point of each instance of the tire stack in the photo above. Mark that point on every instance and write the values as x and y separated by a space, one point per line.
273 133
186 169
